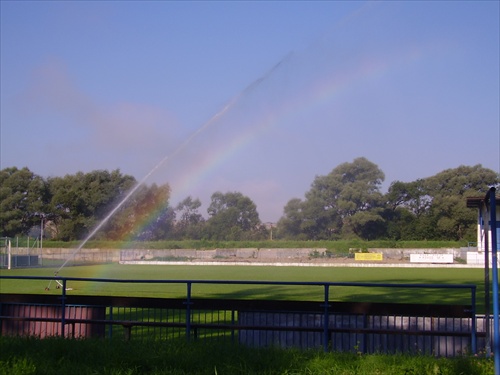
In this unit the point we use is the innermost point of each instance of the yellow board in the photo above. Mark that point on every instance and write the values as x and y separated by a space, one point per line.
368 256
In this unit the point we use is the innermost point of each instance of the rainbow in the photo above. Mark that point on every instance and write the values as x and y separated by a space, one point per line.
317 94
313 96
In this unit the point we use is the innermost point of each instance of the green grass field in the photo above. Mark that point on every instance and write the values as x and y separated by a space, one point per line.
258 273
117 357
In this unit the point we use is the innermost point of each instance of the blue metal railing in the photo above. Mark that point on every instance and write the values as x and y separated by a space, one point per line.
325 303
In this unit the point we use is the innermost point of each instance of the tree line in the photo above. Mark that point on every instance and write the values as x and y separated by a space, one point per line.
347 203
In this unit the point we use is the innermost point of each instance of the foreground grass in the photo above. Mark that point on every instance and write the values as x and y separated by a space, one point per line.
78 357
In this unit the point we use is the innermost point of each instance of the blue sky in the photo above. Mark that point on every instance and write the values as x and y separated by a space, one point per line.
256 97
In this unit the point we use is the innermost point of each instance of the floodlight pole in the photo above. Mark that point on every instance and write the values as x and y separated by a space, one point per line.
9 255
493 230
41 233
483 222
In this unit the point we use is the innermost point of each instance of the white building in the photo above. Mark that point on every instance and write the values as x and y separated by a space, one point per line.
484 225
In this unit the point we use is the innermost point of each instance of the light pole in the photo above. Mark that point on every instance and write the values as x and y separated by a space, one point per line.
494 259
271 230
41 232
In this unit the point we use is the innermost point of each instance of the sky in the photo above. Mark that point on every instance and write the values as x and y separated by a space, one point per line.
256 97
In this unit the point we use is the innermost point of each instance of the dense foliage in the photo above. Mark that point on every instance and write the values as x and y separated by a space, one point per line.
347 203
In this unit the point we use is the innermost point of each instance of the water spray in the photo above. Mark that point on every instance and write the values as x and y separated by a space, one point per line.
252 86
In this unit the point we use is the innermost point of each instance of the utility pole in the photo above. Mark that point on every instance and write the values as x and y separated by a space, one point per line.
494 258
41 233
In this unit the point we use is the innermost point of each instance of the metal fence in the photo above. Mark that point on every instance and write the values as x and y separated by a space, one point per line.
364 327
13 256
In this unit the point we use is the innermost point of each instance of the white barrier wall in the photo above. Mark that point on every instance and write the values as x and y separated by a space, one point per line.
476 257
431 258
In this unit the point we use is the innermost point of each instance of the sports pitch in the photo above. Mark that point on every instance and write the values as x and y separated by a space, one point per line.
180 273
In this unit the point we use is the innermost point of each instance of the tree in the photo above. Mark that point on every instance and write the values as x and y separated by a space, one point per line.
24 198
232 216
344 203
367 224
189 220
145 216
400 224
290 224
407 211
435 206
462 181
449 190
413 196
80 201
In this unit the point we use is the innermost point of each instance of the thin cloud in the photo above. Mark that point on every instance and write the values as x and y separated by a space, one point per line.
128 133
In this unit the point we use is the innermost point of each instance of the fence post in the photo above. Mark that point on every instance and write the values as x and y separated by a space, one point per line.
111 318
474 326
326 319
63 308
233 322
188 311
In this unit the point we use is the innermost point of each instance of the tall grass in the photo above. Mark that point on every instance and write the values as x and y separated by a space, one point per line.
25 356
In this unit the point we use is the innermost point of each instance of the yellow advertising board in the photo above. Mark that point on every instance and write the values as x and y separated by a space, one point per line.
368 256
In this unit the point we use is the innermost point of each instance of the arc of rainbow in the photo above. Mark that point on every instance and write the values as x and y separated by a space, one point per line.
318 94
178 150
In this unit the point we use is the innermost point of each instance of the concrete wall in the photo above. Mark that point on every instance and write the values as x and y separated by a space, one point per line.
116 255
221 254
236 254
83 255
404 254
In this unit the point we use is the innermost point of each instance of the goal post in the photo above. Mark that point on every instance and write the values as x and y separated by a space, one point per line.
5 253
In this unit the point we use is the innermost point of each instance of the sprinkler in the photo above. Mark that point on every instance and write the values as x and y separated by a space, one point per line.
176 151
